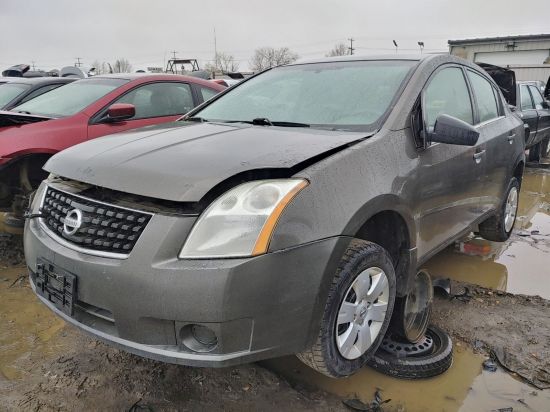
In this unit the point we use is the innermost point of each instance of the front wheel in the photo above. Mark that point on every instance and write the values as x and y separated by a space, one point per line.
357 311
499 226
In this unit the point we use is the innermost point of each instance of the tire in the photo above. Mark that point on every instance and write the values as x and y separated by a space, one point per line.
545 148
494 228
363 261
411 313
417 366
534 153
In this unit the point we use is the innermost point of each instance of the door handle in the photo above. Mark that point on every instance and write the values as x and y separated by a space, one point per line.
511 138
478 156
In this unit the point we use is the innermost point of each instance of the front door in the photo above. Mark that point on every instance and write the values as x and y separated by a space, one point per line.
155 103
450 179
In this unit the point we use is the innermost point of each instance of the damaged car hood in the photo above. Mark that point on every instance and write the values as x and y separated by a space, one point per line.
183 161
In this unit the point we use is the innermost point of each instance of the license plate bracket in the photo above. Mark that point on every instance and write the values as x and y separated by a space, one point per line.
56 285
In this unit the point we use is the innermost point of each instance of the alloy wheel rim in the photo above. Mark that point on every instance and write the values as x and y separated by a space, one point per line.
511 209
362 313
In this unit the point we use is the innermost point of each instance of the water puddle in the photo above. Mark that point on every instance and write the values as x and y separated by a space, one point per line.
27 326
464 387
517 266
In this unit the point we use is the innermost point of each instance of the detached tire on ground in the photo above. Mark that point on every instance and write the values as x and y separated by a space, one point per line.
411 313
499 227
357 312
415 366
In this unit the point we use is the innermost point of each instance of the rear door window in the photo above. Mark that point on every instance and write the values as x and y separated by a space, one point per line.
448 94
485 97
526 101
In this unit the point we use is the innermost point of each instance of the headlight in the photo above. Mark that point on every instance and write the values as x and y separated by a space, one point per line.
241 221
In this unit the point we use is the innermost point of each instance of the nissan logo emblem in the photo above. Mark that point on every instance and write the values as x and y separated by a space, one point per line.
72 222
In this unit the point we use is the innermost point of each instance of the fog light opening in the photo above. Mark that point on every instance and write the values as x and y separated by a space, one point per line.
198 338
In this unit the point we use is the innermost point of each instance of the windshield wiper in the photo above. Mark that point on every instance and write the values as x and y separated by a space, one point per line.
23 112
263 121
195 119
290 124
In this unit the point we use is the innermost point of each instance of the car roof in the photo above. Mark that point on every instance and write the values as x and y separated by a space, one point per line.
135 76
146 77
38 80
348 58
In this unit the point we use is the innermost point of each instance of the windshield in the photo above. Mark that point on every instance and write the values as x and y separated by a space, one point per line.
9 91
341 95
70 99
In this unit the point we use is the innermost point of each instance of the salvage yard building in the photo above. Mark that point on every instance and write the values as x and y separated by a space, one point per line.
528 55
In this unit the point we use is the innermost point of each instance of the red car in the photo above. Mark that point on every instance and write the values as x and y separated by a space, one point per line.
88 108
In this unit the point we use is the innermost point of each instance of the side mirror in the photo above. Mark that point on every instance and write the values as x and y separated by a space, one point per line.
512 107
451 130
545 104
119 111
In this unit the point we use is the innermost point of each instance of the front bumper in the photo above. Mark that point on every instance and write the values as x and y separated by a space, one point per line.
260 307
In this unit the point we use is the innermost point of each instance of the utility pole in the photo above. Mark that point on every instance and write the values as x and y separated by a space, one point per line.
351 48
174 54
33 68
77 63
215 51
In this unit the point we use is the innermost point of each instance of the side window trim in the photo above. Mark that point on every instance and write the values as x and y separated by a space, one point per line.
500 106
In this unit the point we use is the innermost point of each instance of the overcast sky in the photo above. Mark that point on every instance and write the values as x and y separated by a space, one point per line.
53 33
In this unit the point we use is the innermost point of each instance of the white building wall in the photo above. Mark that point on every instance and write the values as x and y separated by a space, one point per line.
527 57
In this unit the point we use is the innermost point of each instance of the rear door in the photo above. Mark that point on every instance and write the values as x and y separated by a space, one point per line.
528 114
155 103
497 139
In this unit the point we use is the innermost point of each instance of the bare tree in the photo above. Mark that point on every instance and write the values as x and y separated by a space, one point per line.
266 57
223 62
339 49
100 67
122 66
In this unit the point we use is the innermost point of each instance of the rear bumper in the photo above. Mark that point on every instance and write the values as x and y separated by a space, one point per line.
259 307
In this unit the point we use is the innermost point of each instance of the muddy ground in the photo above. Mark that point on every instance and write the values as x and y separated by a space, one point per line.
48 365
513 329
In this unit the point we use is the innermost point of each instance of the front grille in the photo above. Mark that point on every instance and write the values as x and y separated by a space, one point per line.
103 228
